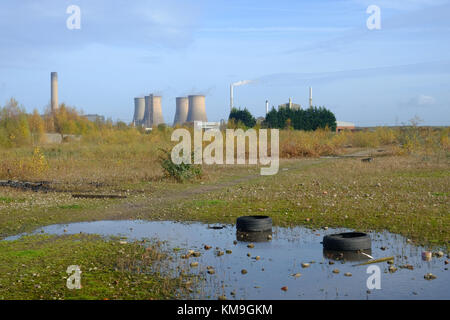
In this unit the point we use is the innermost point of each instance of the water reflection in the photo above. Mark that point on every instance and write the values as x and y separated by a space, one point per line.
263 236
347 255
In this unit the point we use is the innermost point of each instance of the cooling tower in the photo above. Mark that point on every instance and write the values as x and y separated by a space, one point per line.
139 109
197 110
153 111
182 111
54 90
157 117
147 121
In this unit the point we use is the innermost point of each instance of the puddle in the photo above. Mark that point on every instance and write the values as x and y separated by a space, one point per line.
281 258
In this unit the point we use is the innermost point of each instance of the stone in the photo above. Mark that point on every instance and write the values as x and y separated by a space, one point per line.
347 274
429 276
336 271
305 265
392 269
243 271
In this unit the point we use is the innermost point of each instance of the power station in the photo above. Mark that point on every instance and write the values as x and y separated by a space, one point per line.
148 110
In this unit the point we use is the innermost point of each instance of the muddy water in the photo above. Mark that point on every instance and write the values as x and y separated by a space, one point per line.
280 259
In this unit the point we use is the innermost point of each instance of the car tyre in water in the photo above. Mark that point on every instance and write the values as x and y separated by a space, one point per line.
347 241
254 223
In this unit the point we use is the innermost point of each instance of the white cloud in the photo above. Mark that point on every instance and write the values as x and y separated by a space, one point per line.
419 101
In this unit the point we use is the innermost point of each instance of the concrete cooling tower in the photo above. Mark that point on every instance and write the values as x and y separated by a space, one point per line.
147 121
139 110
153 111
157 116
196 110
181 111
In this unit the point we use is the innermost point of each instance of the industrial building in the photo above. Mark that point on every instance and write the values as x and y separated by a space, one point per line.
289 105
343 125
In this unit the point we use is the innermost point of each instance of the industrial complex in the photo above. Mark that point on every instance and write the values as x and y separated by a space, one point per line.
191 109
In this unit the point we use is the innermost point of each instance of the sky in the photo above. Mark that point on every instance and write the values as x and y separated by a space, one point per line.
125 49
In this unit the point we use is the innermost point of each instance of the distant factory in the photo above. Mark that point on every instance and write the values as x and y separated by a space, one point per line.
148 110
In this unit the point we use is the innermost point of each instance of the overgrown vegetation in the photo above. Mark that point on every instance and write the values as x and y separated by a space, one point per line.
35 268
180 172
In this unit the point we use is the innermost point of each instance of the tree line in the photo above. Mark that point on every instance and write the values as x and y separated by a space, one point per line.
298 119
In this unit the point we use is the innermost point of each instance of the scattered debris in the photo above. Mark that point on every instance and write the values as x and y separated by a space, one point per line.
407 266
99 196
26 185
376 261
305 265
392 269
429 276
426 256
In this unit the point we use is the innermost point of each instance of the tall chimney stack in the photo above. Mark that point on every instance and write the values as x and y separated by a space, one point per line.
54 90
231 97
310 97
267 106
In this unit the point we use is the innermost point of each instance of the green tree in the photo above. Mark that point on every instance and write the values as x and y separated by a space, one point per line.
244 116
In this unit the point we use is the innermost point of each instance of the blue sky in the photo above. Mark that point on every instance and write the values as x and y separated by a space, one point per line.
173 48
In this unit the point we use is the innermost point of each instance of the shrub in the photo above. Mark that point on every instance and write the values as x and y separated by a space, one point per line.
180 172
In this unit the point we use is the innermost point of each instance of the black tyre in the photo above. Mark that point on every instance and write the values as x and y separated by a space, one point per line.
254 223
347 241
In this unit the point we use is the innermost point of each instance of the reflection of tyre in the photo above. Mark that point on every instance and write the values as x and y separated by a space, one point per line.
347 241
347 255
263 236
254 223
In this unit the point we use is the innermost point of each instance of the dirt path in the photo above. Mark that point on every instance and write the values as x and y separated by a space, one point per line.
158 201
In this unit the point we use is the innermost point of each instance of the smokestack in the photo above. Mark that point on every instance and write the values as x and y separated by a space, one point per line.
197 110
139 111
54 91
290 103
231 97
267 106
181 111
236 84
310 97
